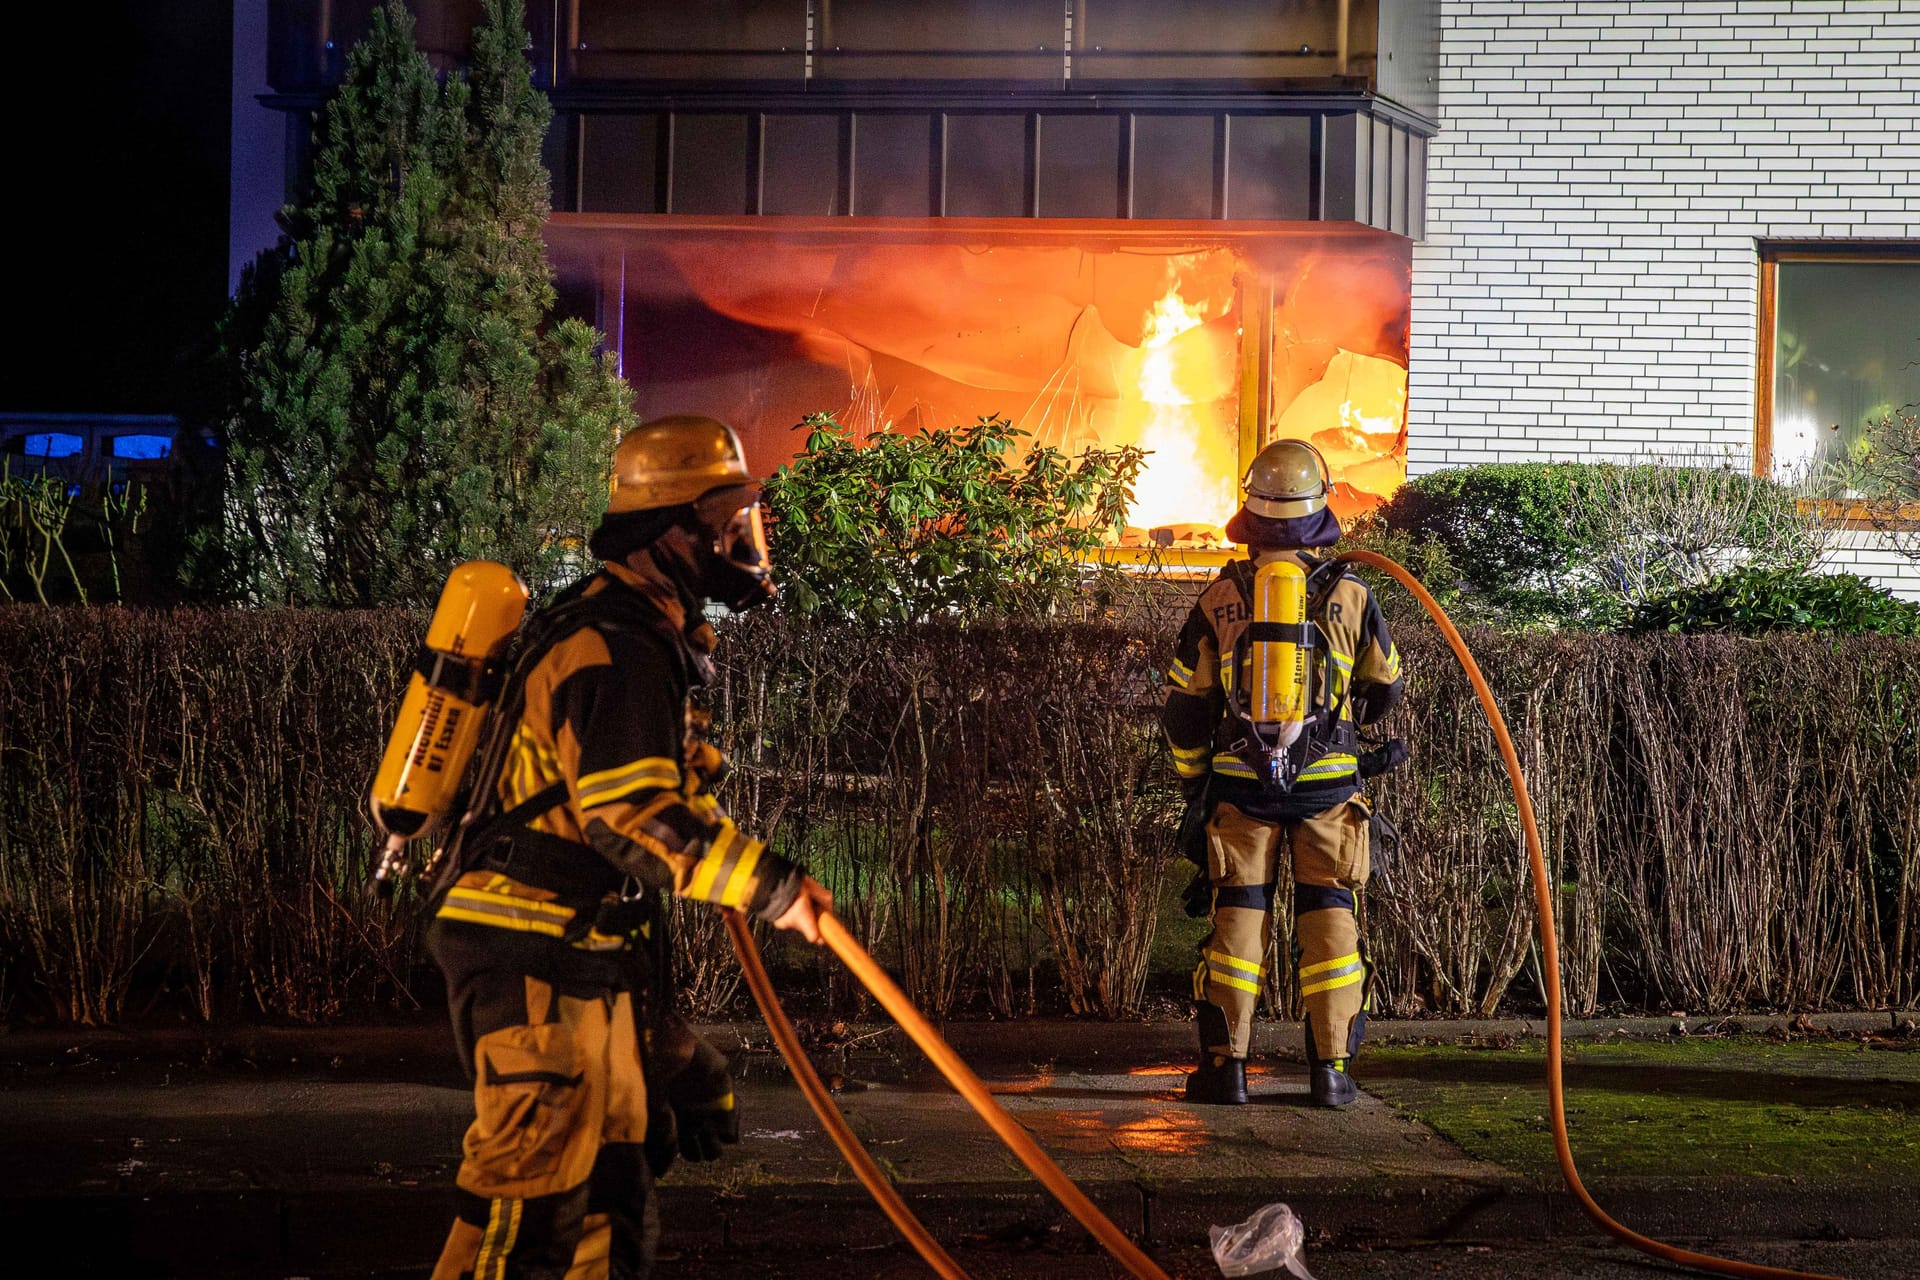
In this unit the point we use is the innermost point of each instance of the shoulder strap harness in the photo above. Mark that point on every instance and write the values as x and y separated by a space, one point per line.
572 611
1327 728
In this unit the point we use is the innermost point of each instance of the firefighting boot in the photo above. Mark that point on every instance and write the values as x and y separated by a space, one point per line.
1220 1080
1328 1084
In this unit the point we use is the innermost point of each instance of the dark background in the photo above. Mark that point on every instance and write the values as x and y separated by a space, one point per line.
116 155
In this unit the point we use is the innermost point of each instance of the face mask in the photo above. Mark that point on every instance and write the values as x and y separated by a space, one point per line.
736 568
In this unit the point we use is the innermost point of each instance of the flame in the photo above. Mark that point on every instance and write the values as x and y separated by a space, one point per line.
1187 477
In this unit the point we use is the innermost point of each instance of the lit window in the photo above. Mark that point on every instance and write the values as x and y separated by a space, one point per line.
1840 349
53 444
142 447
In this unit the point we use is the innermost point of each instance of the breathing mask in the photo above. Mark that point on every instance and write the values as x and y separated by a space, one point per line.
732 562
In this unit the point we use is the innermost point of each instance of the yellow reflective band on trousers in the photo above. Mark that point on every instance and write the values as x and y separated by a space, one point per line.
651 773
503 1229
1329 974
494 905
1242 975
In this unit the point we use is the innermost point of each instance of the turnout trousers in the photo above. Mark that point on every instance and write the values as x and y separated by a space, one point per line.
1329 867
553 1178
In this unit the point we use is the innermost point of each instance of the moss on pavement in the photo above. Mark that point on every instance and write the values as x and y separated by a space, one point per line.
1822 1110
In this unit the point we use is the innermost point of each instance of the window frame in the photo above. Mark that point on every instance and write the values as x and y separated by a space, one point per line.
1866 514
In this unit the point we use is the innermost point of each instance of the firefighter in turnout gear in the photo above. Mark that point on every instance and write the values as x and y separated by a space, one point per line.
548 909
1265 742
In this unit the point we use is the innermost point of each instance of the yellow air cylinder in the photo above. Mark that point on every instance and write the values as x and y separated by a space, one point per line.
446 702
1277 660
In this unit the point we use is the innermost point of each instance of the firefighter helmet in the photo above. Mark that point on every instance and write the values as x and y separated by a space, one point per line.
673 461
1288 479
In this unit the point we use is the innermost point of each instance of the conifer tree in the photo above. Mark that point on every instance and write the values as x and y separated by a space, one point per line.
398 400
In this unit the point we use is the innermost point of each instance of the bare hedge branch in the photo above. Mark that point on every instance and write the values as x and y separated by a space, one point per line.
1732 824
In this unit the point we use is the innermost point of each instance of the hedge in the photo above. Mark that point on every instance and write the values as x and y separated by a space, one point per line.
1733 824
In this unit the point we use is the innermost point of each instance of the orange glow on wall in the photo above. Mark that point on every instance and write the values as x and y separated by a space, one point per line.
1093 338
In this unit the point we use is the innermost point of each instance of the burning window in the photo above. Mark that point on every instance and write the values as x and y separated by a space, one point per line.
1198 347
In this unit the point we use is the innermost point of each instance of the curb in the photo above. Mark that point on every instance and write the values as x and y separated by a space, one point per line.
427 1043
328 1231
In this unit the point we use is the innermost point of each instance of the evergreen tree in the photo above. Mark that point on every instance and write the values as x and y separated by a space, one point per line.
397 400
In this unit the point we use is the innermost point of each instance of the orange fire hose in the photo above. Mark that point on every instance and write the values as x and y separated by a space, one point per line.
1550 962
891 998
968 1085
836 1124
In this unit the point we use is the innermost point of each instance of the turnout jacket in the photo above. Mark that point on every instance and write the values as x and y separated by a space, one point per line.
607 733
1362 668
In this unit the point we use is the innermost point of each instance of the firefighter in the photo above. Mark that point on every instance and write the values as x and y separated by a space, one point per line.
549 926
1254 811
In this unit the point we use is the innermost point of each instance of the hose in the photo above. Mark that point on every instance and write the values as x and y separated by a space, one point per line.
968 1085
1550 958
816 1094
895 1001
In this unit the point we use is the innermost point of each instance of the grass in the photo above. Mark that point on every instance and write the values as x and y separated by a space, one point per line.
1834 1110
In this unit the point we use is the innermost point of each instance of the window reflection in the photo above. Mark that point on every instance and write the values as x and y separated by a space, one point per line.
1846 353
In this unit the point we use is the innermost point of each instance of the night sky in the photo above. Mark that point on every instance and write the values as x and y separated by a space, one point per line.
118 117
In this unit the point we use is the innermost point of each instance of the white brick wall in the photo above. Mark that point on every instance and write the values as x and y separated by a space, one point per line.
1588 286
1869 554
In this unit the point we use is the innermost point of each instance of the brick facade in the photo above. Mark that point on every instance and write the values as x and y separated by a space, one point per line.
1589 283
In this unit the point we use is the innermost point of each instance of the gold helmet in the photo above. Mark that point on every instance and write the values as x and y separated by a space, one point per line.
673 461
1288 479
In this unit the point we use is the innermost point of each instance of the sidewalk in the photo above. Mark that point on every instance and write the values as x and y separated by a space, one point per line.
330 1152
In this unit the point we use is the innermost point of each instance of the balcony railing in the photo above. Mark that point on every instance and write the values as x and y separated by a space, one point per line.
1384 46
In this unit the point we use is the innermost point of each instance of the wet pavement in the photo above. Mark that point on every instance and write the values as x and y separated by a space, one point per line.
329 1154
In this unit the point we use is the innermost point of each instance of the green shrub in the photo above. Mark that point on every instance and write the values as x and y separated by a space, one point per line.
954 522
1426 558
1651 529
1506 528
1754 600
398 395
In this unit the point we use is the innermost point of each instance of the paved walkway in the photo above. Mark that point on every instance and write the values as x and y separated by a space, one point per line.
329 1153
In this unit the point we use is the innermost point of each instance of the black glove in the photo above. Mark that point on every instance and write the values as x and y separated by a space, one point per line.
698 1116
1197 898
1190 842
1383 759
702 1100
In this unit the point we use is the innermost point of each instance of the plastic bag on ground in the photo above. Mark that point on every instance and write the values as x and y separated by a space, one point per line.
1269 1240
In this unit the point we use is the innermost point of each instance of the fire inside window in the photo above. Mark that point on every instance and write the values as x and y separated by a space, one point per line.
1199 353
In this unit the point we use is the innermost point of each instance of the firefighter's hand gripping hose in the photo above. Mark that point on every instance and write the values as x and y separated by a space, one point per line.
1550 961
968 1085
